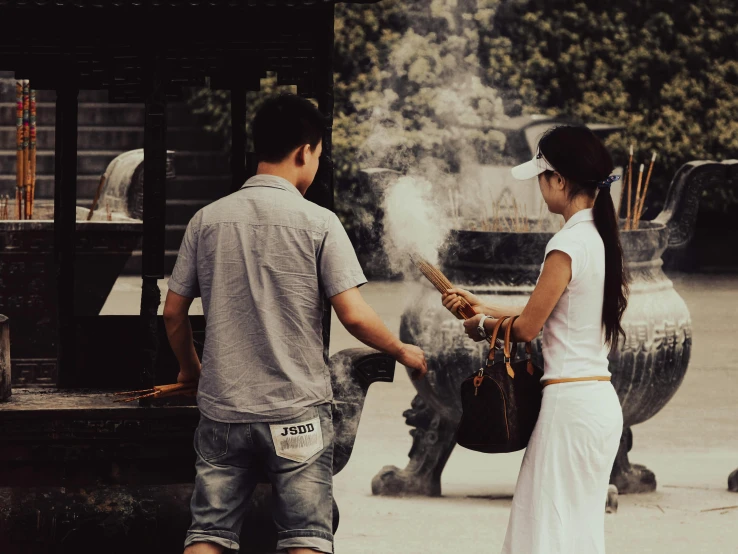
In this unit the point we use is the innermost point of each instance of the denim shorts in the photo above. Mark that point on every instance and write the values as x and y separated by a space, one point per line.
297 457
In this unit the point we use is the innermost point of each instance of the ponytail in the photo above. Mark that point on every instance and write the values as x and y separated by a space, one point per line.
616 275
580 156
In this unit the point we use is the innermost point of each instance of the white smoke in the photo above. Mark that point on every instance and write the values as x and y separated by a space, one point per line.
414 221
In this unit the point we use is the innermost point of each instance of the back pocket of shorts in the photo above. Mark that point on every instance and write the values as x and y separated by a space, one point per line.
297 441
212 439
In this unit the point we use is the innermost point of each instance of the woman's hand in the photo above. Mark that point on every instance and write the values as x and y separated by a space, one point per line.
471 328
454 297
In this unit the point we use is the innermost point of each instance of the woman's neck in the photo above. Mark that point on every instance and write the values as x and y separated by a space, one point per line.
580 203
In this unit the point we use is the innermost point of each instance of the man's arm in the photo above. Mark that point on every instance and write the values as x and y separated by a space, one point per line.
362 322
179 331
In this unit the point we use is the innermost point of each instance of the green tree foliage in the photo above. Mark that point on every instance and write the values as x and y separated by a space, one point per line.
409 84
667 70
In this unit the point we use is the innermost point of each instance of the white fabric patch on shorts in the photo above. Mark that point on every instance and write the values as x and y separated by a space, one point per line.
297 441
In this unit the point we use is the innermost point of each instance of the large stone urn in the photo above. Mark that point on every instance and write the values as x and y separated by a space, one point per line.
502 268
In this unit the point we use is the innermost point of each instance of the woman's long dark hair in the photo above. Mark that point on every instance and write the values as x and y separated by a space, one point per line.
579 156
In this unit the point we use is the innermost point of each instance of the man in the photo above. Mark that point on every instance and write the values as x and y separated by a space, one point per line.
264 259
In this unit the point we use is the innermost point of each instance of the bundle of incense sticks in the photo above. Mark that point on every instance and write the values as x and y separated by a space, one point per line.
4 207
26 149
518 222
31 174
441 283
20 166
159 391
103 178
640 202
635 206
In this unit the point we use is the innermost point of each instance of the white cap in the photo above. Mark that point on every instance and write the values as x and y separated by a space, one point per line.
532 168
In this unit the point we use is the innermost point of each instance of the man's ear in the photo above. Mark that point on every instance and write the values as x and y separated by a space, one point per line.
301 155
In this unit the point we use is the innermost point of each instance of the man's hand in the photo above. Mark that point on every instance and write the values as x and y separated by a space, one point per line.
363 322
414 358
189 375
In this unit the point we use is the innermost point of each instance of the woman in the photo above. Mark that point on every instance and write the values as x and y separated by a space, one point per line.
579 300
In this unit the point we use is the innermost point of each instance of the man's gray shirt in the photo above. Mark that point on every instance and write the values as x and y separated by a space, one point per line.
265 261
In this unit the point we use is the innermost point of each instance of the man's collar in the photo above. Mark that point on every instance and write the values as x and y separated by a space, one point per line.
271 181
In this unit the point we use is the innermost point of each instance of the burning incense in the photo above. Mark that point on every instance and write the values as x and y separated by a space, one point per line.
633 222
441 283
639 210
527 219
103 177
31 178
159 391
26 148
451 203
630 187
20 166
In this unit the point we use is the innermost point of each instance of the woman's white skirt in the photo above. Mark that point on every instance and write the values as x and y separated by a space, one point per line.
559 502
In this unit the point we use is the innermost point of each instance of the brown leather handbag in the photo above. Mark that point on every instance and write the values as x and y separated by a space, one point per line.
501 401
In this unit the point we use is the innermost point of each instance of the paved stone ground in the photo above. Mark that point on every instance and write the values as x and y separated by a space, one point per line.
691 445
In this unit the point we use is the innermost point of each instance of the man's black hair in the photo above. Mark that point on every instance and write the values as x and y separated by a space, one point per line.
283 123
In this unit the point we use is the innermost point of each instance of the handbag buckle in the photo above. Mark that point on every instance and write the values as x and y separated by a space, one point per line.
478 378
507 360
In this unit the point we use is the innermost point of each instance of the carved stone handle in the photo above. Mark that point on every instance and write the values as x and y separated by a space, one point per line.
352 372
683 198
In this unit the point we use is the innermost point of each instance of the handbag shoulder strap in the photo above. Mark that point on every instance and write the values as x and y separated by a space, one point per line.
506 349
493 341
508 359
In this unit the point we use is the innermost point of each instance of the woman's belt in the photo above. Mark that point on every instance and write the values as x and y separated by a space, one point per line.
573 380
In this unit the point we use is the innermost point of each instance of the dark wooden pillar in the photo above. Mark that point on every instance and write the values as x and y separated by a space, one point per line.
154 218
321 191
238 136
65 216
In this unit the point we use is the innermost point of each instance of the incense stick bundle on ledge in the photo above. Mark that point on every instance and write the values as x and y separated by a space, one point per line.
20 166
31 177
159 391
25 183
638 211
441 283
